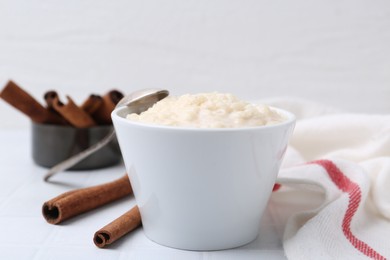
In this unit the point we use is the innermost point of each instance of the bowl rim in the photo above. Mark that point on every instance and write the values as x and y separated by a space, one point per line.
290 119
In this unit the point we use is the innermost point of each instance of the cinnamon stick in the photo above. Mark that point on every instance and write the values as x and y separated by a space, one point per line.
72 203
73 113
103 113
49 98
118 228
92 103
24 102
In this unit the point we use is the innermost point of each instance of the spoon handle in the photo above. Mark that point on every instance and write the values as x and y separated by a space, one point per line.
66 164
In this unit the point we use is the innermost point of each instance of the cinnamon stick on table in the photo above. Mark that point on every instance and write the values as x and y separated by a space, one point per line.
24 102
72 203
103 114
118 228
73 113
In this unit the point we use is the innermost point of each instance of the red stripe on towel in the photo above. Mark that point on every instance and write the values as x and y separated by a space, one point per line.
276 187
355 194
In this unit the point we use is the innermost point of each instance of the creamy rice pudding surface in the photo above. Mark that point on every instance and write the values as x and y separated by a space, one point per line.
208 110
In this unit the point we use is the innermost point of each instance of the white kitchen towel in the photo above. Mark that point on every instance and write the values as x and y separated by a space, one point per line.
335 184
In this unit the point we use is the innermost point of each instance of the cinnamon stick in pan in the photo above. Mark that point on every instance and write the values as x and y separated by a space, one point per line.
92 103
78 201
73 113
24 102
103 113
49 97
118 228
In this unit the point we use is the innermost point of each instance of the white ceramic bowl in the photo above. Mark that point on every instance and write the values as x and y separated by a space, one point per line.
201 189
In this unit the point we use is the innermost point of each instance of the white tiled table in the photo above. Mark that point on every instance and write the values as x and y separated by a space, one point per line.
26 235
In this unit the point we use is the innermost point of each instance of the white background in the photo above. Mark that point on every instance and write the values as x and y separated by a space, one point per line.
333 52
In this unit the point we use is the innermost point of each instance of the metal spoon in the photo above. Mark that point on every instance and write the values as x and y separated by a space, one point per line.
137 101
